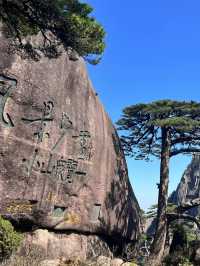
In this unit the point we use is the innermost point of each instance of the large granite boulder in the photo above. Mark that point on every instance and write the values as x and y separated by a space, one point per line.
61 163
52 246
189 186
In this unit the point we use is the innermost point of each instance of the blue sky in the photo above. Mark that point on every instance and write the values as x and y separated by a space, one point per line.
153 52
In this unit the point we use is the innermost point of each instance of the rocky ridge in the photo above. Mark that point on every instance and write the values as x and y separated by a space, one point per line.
189 186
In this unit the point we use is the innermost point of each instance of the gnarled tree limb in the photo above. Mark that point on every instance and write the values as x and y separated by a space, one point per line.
183 150
177 216
188 205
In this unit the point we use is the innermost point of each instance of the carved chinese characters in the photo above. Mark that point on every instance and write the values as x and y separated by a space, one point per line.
65 170
85 145
57 151
58 169
7 85
46 116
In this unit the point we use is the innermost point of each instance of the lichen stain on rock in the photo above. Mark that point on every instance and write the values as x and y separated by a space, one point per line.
23 208
72 218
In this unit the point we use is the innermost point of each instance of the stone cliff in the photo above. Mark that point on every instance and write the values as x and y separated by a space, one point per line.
189 186
61 163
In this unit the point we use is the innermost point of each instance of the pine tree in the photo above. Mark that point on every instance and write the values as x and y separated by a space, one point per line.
68 21
163 129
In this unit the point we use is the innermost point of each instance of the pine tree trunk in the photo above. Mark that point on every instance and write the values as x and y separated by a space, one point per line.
161 226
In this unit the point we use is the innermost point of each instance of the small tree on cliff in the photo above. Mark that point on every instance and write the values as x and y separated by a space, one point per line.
68 21
163 129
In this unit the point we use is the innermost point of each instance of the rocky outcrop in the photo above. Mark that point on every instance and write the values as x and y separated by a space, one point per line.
150 226
189 186
54 246
61 163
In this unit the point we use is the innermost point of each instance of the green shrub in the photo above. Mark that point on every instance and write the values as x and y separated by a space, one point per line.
177 258
180 239
9 239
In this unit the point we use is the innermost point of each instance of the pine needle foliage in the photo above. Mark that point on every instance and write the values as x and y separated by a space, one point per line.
163 129
142 124
69 21
152 211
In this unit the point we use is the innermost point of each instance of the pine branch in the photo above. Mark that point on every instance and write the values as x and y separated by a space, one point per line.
143 135
177 216
184 150
180 140
188 205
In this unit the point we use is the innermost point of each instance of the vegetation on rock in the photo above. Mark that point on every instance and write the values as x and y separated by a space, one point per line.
177 259
9 239
66 22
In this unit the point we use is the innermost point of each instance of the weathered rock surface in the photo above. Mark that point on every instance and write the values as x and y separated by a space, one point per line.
61 164
44 248
104 261
101 261
65 247
50 263
150 226
117 262
197 256
189 186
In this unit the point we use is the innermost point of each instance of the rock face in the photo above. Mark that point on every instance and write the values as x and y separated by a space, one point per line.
52 246
189 186
150 226
61 164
